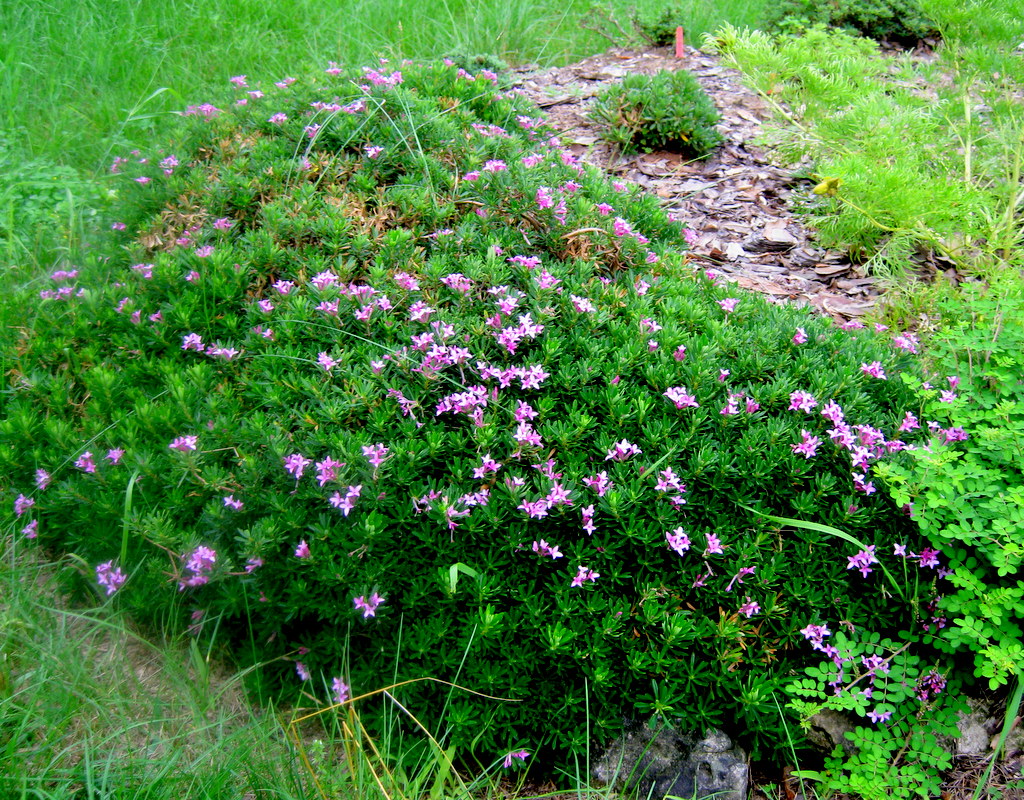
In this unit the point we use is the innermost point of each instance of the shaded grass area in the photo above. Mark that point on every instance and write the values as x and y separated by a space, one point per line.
88 708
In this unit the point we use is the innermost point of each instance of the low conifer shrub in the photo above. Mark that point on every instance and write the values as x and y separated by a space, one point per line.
375 382
664 111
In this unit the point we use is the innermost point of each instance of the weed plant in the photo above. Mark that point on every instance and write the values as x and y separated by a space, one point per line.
372 366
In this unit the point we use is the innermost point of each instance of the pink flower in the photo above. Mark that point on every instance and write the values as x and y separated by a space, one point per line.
184 444
232 503
599 483
302 551
193 341
808 447
874 369
749 608
325 361
31 530
863 560
495 165
714 545
110 577
301 671
375 454
115 455
877 716
802 401
542 548
85 462
372 151
347 502
339 690
584 574
22 504
800 337
199 563
622 451
223 224
368 607
42 479
295 464
621 227
729 304
737 579
522 755
680 353
678 540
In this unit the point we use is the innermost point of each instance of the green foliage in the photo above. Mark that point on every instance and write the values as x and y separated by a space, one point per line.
665 111
660 29
969 501
41 202
898 755
918 170
899 21
371 348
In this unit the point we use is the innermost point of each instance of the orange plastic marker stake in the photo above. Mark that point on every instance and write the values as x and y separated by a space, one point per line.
680 43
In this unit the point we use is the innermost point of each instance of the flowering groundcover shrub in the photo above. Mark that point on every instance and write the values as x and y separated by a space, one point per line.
376 382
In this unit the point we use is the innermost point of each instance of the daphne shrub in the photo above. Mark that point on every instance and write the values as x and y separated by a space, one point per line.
375 382
664 111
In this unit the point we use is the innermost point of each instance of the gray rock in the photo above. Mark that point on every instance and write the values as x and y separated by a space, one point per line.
664 762
828 731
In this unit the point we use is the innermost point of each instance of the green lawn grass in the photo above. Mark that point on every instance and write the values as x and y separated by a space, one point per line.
80 77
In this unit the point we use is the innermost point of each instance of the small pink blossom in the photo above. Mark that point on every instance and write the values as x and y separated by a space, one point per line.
622 451
110 577
874 369
749 608
808 446
800 337
584 574
729 304
302 551
184 444
522 755
295 464
22 504
368 606
714 545
678 540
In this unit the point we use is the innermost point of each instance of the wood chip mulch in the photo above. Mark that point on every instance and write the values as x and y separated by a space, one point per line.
739 202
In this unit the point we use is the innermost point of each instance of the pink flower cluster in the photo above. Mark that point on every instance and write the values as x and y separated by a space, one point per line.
198 566
369 605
